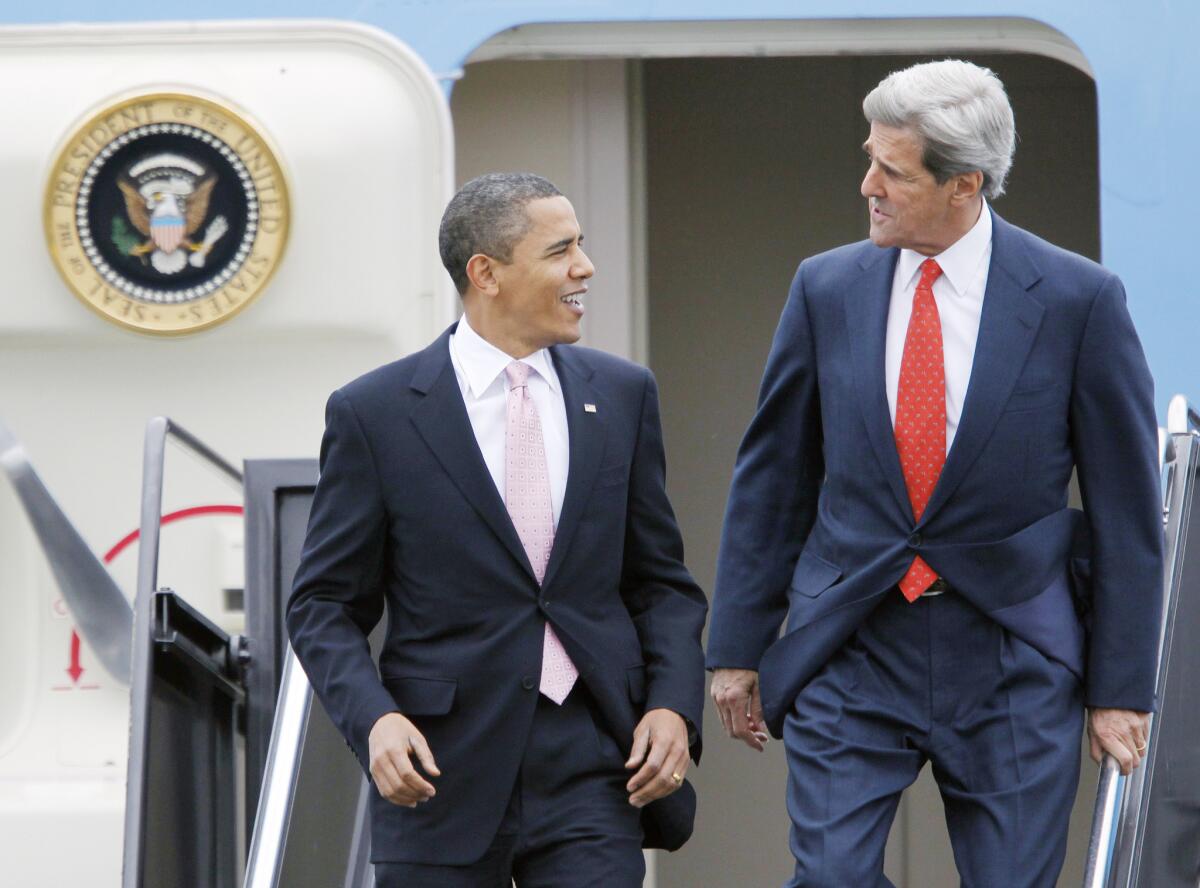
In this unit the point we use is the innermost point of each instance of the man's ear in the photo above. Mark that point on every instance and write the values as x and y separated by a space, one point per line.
481 272
966 187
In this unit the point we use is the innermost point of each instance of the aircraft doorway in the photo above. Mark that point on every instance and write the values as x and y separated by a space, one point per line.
751 165
702 182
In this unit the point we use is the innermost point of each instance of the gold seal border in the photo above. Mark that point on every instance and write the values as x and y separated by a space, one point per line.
65 245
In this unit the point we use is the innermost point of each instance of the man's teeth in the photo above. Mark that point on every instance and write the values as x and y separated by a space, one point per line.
573 300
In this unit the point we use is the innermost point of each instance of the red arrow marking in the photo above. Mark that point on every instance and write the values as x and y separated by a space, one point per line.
171 518
75 670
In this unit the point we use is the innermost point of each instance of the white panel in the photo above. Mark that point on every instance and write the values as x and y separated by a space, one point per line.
602 187
21 619
510 118
362 132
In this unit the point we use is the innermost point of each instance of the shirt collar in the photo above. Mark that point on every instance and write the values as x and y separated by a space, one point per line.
960 261
481 362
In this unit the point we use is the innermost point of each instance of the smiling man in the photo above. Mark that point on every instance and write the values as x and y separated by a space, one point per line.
540 687
901 496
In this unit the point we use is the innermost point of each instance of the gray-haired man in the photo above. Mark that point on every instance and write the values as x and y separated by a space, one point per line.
901 495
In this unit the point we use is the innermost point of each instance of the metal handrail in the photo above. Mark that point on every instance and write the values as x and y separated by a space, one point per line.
359 871
158 430
264 865
1118 815
101 612
1166 453
1104 824
1182 417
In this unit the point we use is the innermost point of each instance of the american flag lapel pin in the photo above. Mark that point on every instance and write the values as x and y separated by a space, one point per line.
589 408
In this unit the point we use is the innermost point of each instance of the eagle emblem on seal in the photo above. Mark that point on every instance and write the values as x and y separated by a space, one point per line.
166 200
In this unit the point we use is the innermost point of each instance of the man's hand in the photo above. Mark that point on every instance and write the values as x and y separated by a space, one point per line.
1122 733
660 746
392 741
735 691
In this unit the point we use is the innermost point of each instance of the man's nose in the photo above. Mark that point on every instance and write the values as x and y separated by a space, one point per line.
870 184
582 267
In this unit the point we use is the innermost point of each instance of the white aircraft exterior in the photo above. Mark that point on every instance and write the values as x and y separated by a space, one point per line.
350 124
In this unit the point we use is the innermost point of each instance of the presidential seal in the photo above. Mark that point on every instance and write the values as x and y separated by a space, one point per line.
166 213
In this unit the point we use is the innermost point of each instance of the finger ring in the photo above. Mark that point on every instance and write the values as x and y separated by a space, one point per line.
1142 747
677 777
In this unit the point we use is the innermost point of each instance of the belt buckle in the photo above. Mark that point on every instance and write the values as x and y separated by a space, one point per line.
937 587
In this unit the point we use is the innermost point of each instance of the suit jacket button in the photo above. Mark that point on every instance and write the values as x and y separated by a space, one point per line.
545 603
914 541
527 683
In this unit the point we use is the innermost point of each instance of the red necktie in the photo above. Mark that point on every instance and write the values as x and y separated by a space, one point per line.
921 413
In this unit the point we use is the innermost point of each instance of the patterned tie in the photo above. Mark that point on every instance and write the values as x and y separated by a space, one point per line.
921 413
527 495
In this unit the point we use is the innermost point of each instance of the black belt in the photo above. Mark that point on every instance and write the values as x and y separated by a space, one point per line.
937 587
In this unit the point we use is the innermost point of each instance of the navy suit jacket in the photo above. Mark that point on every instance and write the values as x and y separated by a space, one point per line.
406 513
819 526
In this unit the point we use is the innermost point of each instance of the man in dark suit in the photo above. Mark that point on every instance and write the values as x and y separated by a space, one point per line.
504 495
901 495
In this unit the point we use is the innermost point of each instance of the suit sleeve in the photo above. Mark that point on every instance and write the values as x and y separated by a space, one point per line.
773 499
667 607
337 597
1115 441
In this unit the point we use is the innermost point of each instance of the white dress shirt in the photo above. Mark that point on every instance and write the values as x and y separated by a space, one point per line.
479 367
958 292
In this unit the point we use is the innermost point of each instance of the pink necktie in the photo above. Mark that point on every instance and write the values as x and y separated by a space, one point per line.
527 495
921 413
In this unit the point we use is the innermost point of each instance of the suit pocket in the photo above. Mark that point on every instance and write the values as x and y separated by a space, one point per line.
1034 398
636 678
813 574
422 696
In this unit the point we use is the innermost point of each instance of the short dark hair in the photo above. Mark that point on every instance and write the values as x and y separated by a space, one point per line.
488 216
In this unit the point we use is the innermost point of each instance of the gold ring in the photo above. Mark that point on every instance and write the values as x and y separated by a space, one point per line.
1140 748
677 777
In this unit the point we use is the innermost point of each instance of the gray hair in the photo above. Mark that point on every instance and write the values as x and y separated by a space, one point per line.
488 216
959 111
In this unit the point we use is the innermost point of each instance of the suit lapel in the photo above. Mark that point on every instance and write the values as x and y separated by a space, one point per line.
1007 328
441 420
867 300
586 433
